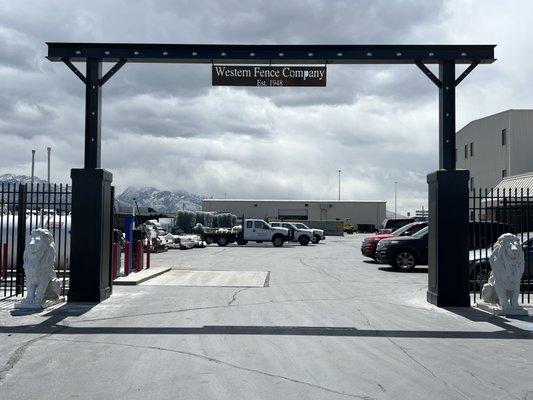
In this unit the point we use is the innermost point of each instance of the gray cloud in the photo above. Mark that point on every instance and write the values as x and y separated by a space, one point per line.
376 123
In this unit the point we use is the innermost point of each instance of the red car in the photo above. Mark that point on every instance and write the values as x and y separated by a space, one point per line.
368 248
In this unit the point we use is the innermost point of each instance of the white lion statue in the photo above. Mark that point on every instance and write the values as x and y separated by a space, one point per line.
42 285
507 263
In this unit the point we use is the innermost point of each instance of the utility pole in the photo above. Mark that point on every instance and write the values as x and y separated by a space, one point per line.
395 199
48 149
339 183
32 166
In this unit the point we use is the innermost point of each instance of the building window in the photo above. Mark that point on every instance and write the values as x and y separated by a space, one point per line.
472 149
466 151
472 183
504 137
504 173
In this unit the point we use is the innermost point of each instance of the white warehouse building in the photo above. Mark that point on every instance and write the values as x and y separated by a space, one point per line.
358 211
495 147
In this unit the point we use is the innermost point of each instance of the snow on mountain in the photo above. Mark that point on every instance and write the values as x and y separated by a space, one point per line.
160 200
12 178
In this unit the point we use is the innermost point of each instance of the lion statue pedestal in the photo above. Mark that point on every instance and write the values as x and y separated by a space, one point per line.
43 287
500 295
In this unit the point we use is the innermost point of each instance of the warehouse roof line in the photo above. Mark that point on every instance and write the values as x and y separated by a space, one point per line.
493 115
299 201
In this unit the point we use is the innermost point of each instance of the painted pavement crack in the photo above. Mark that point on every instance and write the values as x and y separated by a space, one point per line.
363 315
423 366
224 363
17 355
215 307
235 294
489 384
319 270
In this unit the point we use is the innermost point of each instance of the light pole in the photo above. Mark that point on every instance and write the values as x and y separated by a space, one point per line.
339 171
32 166
48 149
395 198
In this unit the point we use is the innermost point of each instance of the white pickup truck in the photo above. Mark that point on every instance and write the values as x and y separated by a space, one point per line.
318 234
301 235
252 230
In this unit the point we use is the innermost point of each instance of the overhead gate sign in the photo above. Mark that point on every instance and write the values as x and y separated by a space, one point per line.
239 75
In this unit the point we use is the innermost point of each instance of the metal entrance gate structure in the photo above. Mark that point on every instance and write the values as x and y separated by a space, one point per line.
448 188
25 207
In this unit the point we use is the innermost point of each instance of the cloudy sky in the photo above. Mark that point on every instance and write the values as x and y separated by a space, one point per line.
165 126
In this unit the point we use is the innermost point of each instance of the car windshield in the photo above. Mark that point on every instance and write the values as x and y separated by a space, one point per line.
301 226
421 233
401 230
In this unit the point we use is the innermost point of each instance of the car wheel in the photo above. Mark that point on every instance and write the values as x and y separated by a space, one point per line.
304 240
208 240
222 241
404 260
277 241
482 277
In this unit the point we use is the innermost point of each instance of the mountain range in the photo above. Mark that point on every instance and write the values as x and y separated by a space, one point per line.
160 200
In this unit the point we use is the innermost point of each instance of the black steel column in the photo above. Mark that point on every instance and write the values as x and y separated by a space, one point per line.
90 245
21 239
93 110
447 115
448 209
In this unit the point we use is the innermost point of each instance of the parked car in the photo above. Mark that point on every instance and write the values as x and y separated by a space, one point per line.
318 234
483 234
300 235
404 252
368 247
479 266
391 224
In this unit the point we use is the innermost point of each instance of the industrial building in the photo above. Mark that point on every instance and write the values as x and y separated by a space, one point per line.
358 211
496 147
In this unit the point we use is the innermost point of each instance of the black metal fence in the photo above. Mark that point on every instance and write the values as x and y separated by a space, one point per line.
24 208
493 213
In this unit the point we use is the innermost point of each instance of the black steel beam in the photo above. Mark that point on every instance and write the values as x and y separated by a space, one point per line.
93 114
447 115
111 72
74 69
275 54
429 74
466 72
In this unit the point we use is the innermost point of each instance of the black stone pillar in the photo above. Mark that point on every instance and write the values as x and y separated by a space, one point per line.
90 244
448 239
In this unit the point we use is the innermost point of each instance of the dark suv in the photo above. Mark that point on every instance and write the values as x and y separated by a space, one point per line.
368 247
404 252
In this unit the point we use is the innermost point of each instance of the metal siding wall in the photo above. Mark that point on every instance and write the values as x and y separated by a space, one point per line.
521 142
358 212
490 157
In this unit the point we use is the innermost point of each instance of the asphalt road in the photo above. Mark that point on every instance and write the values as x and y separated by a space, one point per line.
329 325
